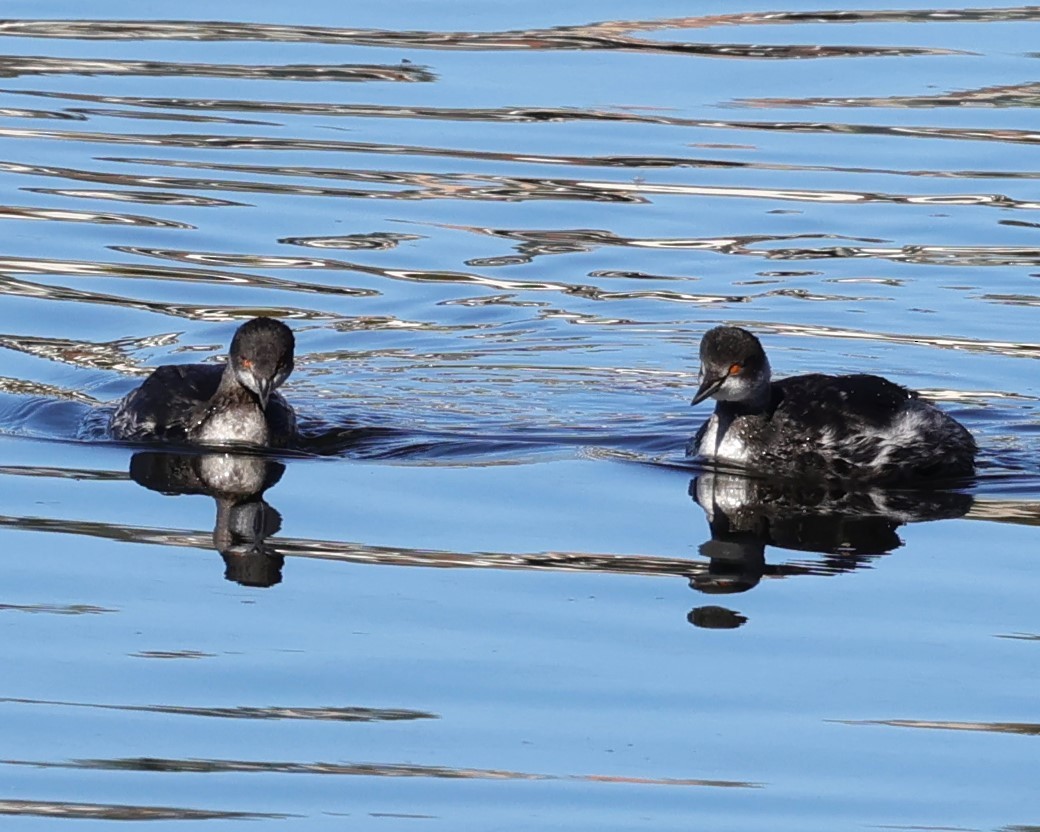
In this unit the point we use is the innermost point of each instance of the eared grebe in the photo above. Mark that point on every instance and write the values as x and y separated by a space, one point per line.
857 427
209 404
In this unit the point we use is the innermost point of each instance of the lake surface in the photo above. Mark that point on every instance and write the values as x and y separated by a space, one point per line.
491 592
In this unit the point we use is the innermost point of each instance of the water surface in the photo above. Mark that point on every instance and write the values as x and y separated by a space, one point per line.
491 592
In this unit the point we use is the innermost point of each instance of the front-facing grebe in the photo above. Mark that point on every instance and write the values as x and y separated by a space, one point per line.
855 427
209 404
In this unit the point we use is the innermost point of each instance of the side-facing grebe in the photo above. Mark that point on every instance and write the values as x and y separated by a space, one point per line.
855 427
209 404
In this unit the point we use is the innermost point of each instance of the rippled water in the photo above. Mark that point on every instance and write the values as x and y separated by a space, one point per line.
486 593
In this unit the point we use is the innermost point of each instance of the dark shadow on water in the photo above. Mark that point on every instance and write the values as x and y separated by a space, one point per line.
479 442
237 483
843 531
849 528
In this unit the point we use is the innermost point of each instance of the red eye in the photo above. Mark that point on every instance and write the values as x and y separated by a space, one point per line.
734 369
247 363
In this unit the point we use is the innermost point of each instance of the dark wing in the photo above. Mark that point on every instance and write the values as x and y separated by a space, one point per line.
873 428
845 403
164 404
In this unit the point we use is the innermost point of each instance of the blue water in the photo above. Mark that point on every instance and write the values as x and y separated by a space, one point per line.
485 594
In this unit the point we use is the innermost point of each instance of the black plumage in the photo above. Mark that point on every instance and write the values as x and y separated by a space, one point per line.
849 427
216 405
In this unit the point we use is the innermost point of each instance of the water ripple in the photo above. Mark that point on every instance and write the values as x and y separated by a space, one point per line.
122 812
12 66
367 770
498 239
327 714
11 212
609 35
74 268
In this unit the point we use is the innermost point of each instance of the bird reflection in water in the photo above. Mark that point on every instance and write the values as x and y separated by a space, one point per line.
237 482
850 528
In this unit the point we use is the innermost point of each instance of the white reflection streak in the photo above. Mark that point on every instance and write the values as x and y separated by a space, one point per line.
801 196
1007 347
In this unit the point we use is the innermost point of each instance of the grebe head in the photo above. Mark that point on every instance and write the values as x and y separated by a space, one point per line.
734 367
261 356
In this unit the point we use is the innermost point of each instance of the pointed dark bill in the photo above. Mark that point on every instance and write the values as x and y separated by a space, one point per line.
263 391
708 388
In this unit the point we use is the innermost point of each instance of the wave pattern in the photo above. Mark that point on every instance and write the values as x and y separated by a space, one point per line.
498 238
667 229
